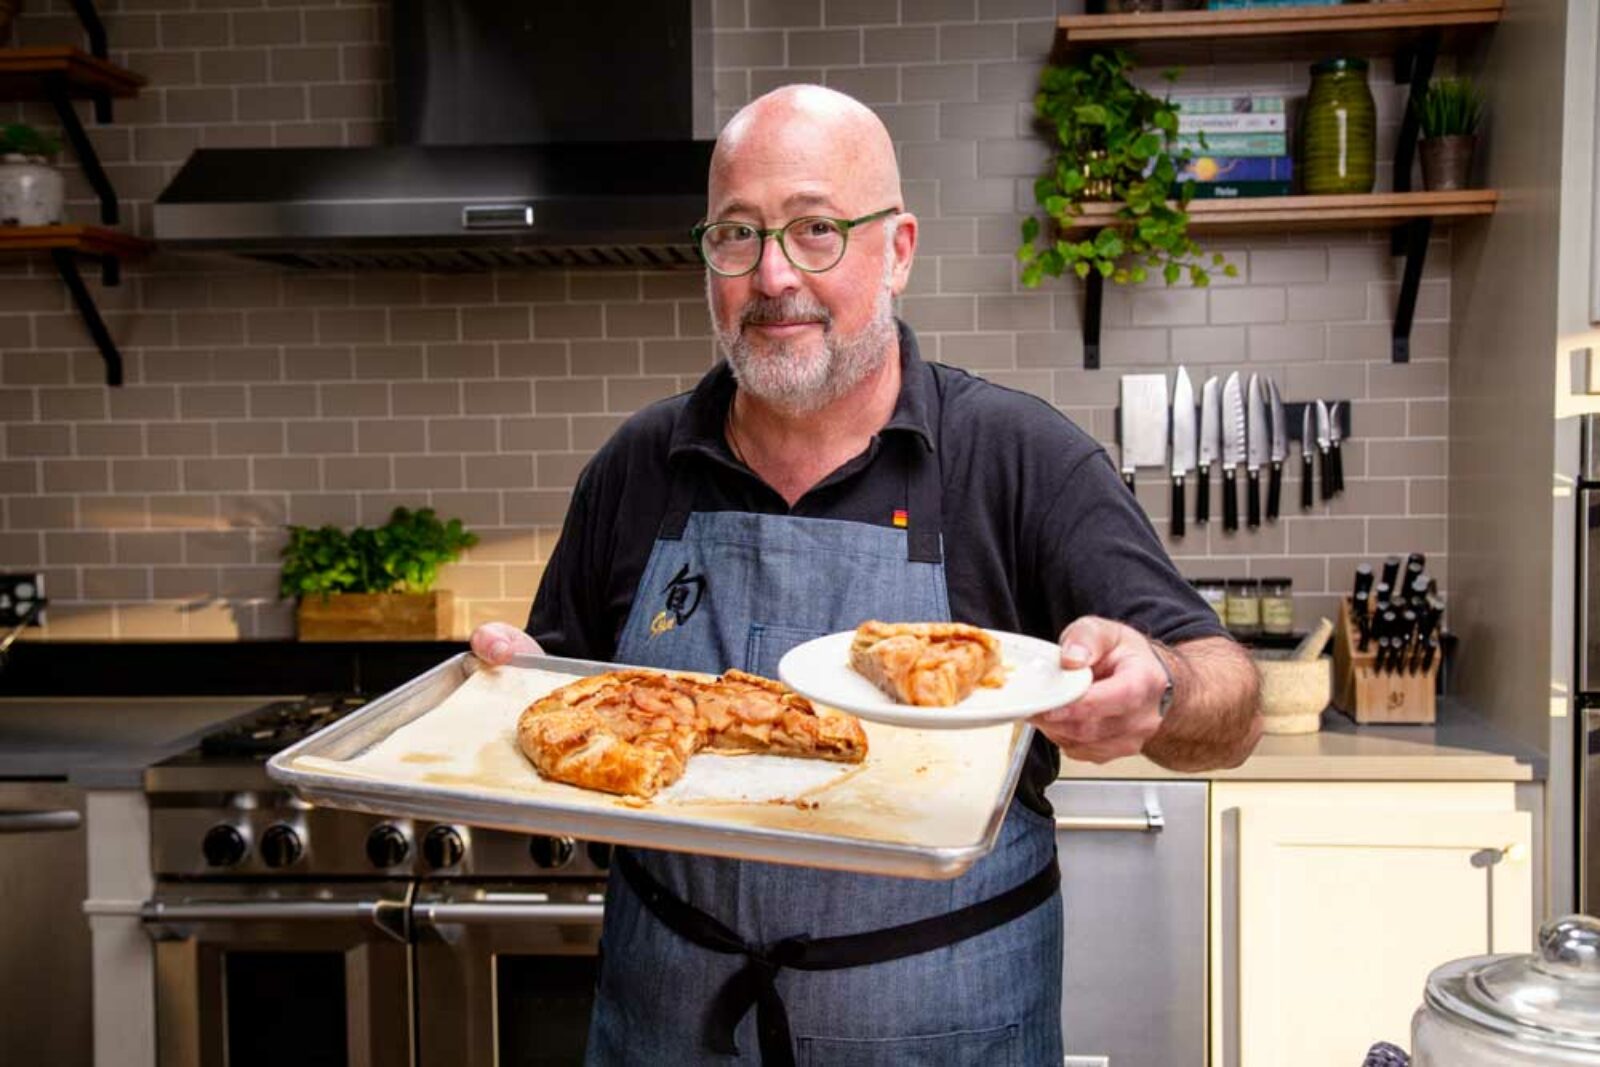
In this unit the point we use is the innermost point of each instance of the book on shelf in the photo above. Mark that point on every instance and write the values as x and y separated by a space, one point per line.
1234 144
1235 113
1236 169
1235 190
1236 5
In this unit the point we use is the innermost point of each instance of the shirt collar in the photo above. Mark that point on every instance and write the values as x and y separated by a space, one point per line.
701 428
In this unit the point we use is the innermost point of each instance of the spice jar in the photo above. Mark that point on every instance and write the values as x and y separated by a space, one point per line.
1277 605
1339 145
1215 593
1244 607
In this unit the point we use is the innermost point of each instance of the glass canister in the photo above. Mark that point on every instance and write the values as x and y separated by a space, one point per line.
1277 605
1244 607
1340 139
1215 593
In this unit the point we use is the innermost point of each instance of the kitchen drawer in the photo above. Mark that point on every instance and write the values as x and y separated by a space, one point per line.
1133 886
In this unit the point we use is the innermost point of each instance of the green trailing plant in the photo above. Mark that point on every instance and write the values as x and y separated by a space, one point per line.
19 138
1451 107
1113 141
402 556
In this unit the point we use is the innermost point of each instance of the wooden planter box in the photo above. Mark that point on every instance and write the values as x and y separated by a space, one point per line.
377 616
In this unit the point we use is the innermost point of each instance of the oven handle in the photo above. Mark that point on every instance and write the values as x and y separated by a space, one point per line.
531 910
388 916
28 822
1153 821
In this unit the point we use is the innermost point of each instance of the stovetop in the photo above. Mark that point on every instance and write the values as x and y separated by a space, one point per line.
279 725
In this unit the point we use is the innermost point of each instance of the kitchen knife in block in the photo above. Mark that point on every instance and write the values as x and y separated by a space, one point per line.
1183 444
1144 424
1307 450
1369 695
1257 445
1233 448
1210 445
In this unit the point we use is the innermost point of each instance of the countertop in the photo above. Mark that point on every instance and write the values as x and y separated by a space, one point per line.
105 742
1460 747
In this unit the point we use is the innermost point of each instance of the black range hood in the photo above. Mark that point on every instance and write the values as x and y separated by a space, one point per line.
533 133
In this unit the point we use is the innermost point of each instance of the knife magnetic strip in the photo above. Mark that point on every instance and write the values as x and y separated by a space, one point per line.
1291 418
1370 696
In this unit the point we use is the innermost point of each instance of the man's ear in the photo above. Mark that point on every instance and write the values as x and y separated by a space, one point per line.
905 247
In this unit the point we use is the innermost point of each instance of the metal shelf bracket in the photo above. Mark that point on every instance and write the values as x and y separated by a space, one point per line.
55 87
111 273
1410 239
96 31
1094 292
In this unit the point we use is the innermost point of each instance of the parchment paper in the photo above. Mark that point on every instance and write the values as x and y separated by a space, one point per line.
927 787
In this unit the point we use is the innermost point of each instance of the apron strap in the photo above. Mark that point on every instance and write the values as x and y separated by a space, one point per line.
756 983
680 500
924 507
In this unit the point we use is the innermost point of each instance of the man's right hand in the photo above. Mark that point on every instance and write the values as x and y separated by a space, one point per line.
496 642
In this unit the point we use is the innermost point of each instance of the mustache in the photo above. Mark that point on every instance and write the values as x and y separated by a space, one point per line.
790 308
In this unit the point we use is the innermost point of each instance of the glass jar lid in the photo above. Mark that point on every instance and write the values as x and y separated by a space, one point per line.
1551 997
1328 66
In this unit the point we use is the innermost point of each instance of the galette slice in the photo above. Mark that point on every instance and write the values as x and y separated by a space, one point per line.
928 664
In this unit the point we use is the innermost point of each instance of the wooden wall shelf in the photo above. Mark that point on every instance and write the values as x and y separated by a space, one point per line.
1281 214
24 73
1255 35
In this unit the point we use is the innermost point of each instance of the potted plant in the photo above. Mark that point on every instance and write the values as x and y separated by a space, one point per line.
31 190
1448 113
1114 141
374 583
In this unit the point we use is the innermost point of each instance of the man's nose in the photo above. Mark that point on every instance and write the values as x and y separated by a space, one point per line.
774 274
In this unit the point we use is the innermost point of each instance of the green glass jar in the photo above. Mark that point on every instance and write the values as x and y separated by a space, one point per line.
1339 145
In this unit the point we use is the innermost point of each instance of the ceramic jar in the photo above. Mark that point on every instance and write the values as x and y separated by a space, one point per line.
1340 140
31 192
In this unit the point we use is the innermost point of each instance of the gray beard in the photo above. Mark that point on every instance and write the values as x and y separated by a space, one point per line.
796 381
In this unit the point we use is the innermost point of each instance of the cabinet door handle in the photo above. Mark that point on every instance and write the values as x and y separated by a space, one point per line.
30 822
1151 822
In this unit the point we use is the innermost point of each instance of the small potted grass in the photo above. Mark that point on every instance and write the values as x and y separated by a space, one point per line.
1448 113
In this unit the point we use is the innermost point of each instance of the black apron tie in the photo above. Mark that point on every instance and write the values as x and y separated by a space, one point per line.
756 982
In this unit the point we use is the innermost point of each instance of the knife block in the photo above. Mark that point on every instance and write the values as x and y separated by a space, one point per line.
1368 696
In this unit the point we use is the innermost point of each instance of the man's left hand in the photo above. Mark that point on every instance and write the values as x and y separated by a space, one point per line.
1121 709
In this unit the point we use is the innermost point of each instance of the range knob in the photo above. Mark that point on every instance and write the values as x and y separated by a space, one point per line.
281 846
443 847
224 846
551 852
599 854
387 846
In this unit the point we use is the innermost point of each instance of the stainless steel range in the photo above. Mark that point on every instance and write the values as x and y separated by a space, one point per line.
287 933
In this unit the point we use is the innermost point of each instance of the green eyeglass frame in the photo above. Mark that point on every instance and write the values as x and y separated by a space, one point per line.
845 226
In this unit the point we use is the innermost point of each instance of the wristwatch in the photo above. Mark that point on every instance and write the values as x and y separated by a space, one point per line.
1166 693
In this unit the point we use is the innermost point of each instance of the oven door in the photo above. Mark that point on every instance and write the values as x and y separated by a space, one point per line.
318 975
506 973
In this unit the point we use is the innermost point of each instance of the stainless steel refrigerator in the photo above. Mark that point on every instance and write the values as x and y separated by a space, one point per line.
1586 660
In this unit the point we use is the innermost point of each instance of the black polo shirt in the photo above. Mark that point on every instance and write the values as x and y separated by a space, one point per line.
1038 527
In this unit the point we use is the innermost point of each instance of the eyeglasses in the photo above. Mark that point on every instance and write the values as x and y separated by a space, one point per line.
812 243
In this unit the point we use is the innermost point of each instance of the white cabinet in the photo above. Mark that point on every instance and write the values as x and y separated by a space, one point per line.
1331 903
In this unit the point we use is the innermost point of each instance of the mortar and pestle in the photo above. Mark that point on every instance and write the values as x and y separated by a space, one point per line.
1297 685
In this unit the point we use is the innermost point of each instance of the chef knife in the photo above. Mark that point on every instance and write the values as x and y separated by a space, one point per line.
1183 444
1307 450
1277 423
1144 423
1359 599
1210 445
1257 445
1323 443
1335 447
1233 448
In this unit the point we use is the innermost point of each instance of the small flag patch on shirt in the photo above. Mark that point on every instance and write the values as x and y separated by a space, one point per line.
900 518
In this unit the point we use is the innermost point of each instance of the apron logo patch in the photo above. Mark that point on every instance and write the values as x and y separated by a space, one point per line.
900 518
683 595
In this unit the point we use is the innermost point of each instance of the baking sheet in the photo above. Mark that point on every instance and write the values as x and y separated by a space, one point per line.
925 803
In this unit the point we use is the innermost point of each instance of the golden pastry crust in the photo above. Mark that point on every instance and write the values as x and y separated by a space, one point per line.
927 664
632 731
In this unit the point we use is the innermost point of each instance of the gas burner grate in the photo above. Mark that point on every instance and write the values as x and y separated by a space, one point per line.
279 725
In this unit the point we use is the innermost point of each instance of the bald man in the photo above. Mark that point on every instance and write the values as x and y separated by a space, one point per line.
821 476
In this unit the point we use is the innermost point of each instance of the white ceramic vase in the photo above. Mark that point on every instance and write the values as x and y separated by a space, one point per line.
31 192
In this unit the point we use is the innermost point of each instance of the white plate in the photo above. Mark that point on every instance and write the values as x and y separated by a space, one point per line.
1035 681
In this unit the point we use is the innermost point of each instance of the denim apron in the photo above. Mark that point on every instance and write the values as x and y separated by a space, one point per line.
734 589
